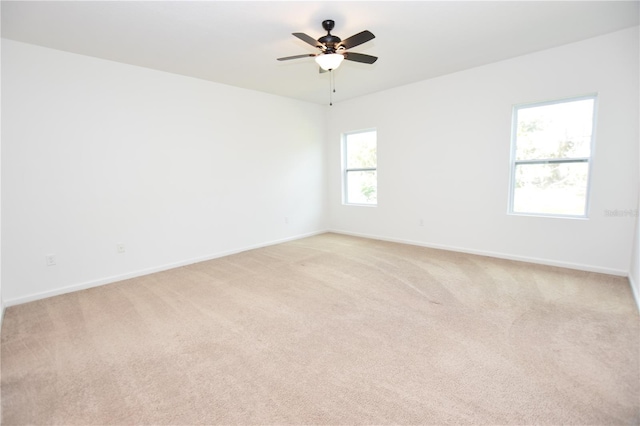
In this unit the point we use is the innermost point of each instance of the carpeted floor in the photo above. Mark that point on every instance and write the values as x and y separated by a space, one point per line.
330 330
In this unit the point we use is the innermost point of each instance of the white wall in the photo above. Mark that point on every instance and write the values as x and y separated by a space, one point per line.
634 273
2 307
443 155
97 153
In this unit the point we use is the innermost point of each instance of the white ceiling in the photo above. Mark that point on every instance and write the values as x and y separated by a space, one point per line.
237 43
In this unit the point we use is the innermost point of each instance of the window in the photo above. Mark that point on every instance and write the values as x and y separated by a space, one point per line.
551 154
360 162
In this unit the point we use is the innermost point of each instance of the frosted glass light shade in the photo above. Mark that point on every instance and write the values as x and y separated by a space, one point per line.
329 61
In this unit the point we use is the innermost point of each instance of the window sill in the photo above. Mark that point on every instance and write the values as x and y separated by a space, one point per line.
548 215
359 205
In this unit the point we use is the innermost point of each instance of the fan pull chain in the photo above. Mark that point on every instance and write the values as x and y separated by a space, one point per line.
332 87
334 83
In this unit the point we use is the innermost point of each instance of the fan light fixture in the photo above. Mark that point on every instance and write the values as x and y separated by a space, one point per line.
329 61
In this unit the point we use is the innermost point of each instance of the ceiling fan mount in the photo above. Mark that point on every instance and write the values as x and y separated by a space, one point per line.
328 25
331 45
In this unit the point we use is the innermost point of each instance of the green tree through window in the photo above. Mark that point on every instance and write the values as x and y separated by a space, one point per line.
360 168
551 155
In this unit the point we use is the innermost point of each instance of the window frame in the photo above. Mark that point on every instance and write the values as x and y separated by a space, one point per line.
346 169
588 160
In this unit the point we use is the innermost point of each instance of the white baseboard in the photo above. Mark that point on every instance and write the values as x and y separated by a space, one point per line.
634 290
2 314
141 272
540 261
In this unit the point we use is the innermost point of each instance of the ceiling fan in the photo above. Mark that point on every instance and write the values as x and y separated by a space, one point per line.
333 49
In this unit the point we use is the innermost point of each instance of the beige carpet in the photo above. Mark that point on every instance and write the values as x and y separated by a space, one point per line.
330 330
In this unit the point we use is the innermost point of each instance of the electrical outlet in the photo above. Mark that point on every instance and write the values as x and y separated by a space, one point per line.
286 220
120 248
50 259
421 222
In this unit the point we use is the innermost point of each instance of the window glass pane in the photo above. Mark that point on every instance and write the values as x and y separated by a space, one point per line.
361 150
362 187
561 130
551 188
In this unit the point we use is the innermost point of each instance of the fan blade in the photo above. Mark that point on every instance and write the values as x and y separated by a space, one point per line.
308 39
356 40
360 57
286 58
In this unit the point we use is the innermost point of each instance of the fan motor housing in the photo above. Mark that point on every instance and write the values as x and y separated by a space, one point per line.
330 41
